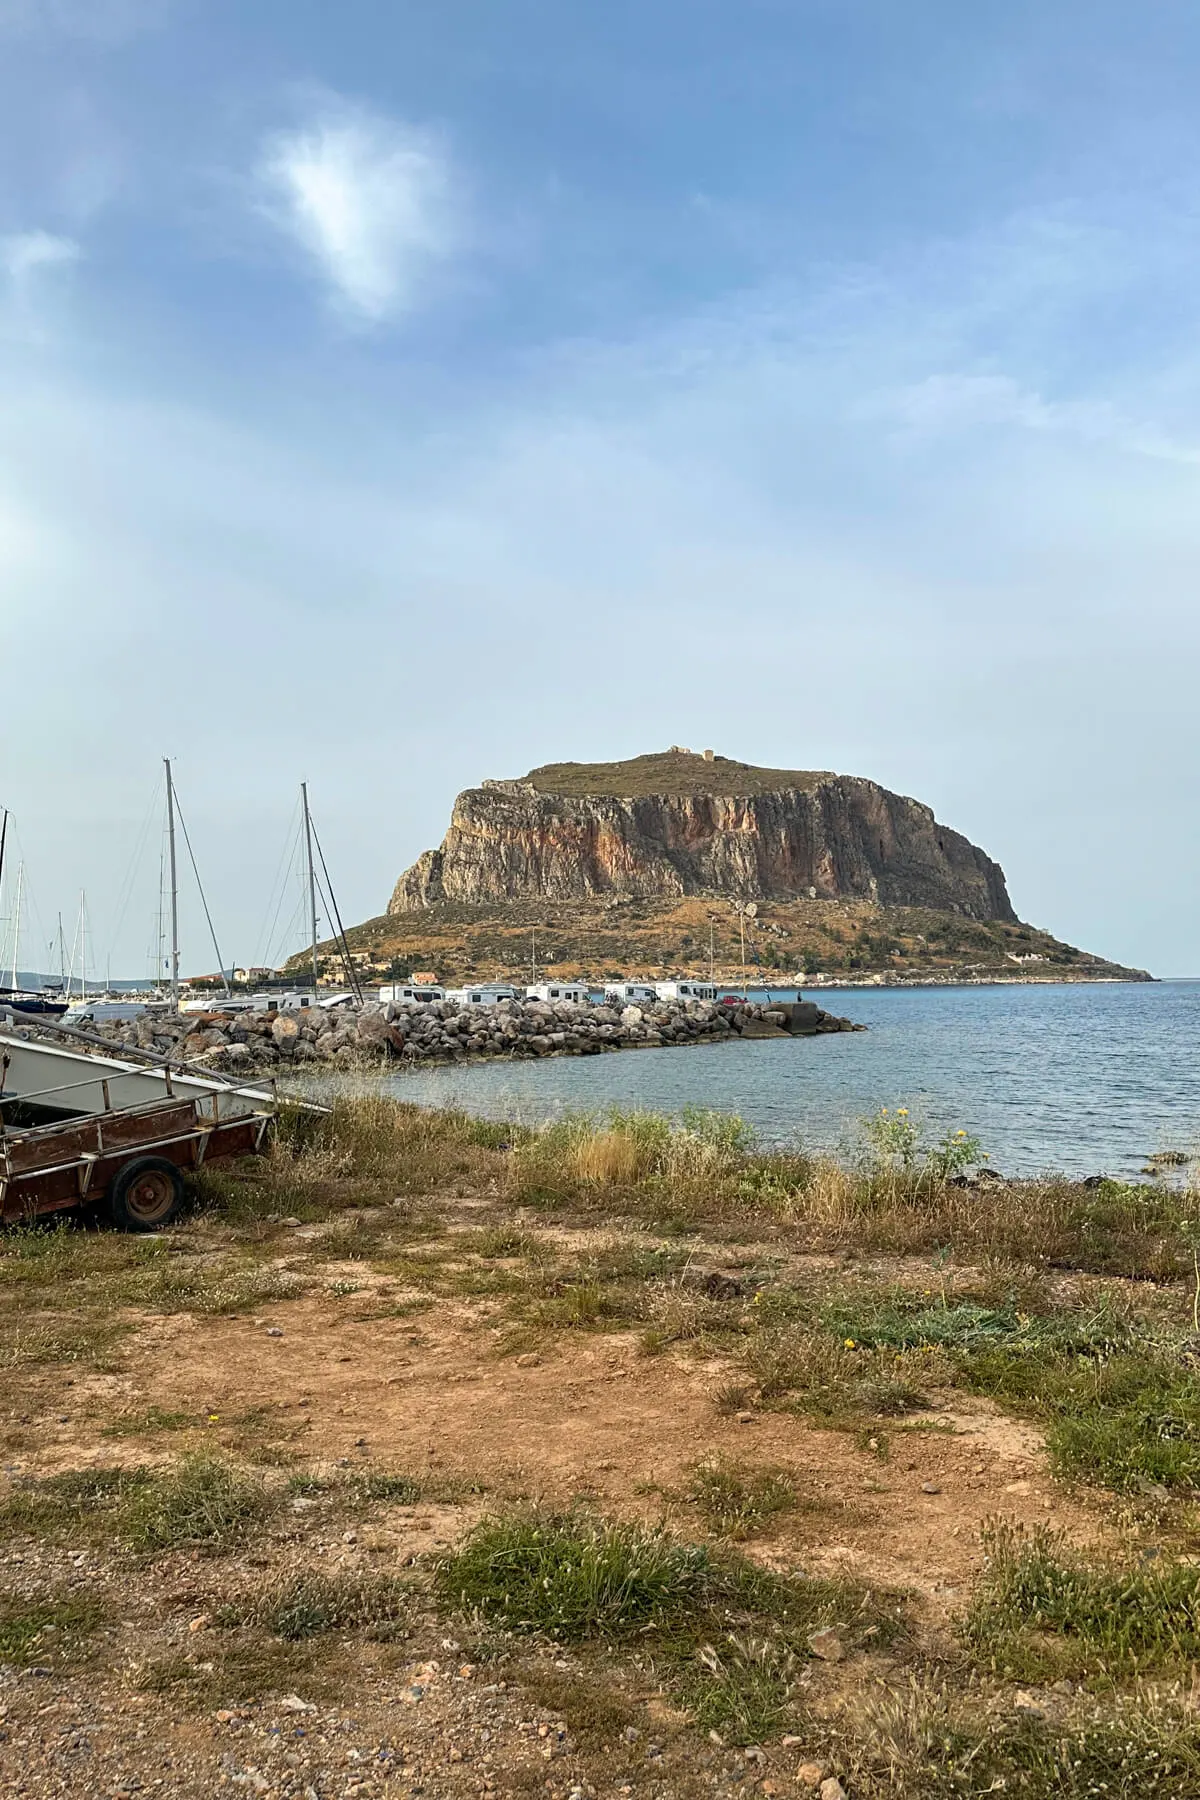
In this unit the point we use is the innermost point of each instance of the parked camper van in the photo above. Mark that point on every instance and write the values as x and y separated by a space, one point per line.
631 993
574 991
401 995
685 990
486 994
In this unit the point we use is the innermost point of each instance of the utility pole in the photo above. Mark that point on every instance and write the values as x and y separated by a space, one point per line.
174 884
533 956
312 879
711 978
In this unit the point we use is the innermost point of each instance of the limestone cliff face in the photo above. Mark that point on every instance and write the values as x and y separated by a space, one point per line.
833 836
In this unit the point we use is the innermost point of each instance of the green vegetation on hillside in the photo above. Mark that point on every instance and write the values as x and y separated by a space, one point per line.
670 772
664 939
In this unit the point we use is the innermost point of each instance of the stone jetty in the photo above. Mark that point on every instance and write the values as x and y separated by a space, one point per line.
440 1032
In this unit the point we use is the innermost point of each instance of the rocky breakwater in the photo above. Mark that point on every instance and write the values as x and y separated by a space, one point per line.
437 1031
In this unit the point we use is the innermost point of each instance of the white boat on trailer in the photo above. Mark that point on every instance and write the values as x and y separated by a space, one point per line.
80 1130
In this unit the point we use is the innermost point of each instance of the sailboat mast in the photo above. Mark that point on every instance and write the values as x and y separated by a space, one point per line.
174 883
312 878
16 931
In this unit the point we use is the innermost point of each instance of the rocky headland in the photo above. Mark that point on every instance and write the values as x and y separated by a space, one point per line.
676 863
674 824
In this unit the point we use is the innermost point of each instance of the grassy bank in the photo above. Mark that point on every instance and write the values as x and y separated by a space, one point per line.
880 1466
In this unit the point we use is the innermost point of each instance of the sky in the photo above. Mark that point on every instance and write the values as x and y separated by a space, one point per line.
393 396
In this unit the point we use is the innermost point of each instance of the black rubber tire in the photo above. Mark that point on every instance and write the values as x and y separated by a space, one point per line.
146 1195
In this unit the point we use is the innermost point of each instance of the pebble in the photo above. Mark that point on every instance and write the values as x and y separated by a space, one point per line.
827 1645
930 1487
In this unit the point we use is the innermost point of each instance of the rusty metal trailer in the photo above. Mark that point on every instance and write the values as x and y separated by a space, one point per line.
119 1135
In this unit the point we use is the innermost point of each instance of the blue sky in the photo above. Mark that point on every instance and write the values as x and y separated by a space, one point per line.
395 395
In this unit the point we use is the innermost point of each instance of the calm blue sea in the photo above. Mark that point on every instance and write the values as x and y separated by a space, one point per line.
1083 1079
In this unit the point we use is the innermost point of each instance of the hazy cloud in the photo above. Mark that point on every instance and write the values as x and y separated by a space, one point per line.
368 198
104 21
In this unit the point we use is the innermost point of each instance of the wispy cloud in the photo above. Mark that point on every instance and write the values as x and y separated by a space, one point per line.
26 260
368 198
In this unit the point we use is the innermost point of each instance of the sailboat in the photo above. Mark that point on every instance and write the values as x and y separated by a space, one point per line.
19 999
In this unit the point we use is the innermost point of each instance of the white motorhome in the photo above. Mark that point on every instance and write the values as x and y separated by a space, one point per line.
631 993
487 993
685 990
574 991
400 995
263 1003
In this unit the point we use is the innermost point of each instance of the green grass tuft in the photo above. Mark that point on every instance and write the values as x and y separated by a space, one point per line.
572 1577
310 1604
1044 1611
50 1630
736 1503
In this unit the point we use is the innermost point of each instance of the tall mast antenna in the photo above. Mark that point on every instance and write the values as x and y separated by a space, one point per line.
312 878
174 883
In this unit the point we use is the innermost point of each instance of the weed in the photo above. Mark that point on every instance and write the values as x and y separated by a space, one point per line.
1043 1610
202 1502
836 1381
725 1633
573 1577
241 1667
309 1604
741 1690
145 1424
49 1630
924 1744
591 1703
737 1504
72 1503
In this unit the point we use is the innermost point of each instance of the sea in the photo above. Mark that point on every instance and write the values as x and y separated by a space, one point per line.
1082 1078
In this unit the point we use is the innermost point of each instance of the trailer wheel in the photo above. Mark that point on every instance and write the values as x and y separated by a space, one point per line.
146 1194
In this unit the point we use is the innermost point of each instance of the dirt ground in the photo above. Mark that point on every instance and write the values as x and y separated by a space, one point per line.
350 1377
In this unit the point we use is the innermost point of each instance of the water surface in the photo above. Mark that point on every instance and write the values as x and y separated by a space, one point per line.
1079 1078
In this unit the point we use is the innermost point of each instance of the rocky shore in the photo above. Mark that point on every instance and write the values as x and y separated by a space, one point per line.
439 1032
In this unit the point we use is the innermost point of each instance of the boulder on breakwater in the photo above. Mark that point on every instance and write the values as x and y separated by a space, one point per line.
441 1032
